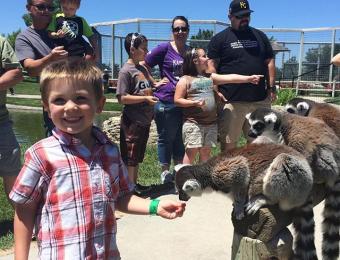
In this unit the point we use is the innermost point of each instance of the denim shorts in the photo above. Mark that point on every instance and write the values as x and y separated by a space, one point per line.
10 164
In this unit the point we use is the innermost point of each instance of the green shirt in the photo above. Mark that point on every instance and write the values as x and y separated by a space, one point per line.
8 58
52 27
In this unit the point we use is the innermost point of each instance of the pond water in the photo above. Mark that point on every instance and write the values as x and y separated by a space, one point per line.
28 125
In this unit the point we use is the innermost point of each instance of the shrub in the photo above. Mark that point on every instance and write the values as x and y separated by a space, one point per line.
283 96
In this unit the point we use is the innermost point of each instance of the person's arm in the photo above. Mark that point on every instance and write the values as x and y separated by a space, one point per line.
271 75
135 205
336 60
34 67
23 227
10 78
271 71
219 79
181 93
128 99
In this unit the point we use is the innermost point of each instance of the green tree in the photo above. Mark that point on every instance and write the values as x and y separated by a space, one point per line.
317 61
12 36
196 40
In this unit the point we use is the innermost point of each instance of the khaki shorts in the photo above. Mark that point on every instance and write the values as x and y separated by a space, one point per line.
196 135
232 119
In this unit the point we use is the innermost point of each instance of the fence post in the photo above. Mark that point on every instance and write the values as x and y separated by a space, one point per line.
300 61
330 79
113 50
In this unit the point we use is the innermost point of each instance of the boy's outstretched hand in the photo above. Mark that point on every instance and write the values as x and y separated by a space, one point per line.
170 209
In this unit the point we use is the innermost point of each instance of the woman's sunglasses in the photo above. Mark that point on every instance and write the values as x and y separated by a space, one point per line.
42 8
180 29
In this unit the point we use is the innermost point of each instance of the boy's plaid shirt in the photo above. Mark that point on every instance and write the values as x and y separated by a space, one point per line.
76 191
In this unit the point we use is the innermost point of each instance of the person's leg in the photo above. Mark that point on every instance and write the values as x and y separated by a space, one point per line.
229 126
176 130
163 153
190 154
10 163
133 173
205 154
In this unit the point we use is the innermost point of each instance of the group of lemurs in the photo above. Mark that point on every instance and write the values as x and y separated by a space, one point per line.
292 150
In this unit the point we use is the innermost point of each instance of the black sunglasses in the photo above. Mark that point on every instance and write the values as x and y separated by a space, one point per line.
242 16
42 8
180 29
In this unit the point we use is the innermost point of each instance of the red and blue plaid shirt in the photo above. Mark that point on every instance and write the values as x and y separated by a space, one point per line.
76 190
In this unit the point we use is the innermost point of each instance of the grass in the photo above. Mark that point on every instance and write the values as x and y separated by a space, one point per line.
27 87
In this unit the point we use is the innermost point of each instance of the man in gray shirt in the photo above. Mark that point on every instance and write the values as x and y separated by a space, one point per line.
33 47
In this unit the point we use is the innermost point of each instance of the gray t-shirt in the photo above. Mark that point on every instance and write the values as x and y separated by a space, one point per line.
33 44
133 80
200 88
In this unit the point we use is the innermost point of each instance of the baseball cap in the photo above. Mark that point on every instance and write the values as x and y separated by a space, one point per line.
239 7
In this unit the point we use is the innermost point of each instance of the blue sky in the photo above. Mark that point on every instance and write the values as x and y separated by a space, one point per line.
267 13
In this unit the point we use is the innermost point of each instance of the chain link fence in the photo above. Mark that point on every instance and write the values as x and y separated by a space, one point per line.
302 55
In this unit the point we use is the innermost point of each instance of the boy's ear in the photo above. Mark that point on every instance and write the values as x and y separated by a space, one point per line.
100 105
46 108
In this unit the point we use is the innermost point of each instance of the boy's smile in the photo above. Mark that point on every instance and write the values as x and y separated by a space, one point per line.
72 107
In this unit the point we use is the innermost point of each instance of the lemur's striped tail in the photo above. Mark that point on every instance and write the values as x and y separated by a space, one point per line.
304 228
331 223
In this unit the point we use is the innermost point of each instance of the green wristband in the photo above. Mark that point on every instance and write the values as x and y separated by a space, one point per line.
153 207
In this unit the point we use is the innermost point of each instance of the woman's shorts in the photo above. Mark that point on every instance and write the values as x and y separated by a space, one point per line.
10 164
196 135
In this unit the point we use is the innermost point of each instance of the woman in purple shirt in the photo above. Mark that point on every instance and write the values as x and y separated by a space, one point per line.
169 57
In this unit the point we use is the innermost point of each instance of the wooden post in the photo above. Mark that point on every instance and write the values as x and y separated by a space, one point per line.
245 248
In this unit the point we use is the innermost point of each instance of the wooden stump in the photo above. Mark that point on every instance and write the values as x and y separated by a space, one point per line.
245 248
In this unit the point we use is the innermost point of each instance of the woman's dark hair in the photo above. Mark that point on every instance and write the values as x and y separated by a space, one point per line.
189 67
182 18
133 40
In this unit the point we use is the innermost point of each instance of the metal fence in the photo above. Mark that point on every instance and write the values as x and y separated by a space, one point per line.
302 58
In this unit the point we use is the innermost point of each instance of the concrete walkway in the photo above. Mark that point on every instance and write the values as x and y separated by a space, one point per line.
204 232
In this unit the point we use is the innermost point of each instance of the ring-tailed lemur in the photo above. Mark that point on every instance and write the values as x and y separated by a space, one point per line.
257 175
320 145
323 111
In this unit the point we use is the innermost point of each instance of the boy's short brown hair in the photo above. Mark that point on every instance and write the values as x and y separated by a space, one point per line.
74 68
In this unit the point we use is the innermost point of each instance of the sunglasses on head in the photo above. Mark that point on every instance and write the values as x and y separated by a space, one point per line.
180 29
42 8
133 38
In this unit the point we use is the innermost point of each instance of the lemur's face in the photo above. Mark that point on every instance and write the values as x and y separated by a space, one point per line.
186 184
262 123
297 106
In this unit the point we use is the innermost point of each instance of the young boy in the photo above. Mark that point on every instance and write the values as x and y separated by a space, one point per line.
135 92
72 182
68 29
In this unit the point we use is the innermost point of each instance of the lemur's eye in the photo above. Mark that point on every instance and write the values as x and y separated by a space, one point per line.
258 126
291 110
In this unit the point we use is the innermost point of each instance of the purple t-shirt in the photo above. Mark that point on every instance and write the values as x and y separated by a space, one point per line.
170 65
